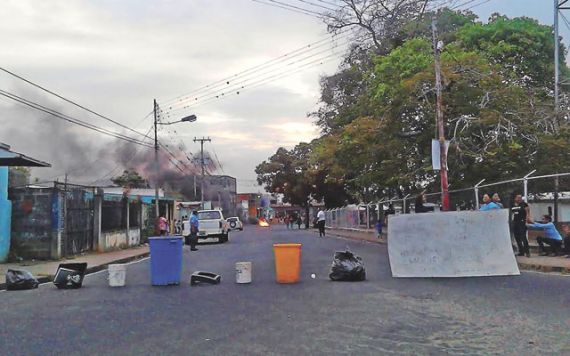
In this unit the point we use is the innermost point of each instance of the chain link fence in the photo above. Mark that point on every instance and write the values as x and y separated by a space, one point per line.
546 195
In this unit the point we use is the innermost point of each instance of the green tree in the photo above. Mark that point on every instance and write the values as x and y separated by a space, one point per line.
130 179
498 114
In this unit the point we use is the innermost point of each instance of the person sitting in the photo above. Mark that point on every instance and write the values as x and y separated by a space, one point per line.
552 237
488 204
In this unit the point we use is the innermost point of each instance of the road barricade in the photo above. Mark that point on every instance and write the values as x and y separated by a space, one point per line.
287 262
451 244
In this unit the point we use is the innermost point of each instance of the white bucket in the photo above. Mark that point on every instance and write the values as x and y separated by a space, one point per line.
117 275
243 272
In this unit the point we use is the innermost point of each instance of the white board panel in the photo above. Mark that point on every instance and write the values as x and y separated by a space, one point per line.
451 244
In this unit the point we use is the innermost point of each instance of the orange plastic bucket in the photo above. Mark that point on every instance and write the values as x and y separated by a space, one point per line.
287 262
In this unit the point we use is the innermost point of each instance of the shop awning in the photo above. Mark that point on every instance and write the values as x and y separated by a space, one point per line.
10 158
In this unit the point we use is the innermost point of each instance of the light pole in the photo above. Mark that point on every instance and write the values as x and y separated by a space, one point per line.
190 118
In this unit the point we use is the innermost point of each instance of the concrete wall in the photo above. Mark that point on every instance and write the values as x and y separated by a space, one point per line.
451 244
113 240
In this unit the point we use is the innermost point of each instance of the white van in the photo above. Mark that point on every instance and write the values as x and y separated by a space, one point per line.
213 225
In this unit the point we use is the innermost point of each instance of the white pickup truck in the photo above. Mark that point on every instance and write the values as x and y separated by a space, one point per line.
212 225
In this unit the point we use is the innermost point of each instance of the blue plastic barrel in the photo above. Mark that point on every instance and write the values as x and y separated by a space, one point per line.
165 260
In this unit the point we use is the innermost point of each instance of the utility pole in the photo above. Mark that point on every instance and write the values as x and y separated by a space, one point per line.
65 218
559 5
202 140
156 166
437 47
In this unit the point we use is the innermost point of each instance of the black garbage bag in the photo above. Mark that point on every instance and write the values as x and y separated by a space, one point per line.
20 280
347 267
70 275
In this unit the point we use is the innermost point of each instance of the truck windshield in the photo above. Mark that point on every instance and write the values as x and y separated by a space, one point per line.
209 215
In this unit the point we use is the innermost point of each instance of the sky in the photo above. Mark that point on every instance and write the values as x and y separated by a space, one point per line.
116 57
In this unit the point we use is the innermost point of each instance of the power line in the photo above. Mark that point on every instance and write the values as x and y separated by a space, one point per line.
252 70
269 80
68 100
70 119
240 84
293 9
316 5
111 172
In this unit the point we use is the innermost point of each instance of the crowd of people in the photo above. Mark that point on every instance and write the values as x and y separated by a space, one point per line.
521 222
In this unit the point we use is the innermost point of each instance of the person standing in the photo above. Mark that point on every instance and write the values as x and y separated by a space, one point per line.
287 221
419 206
194 229
552 236
488 204
299 221
520 217
321 222
497 200
186 229
163 225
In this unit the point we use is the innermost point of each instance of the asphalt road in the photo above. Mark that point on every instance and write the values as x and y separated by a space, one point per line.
527 314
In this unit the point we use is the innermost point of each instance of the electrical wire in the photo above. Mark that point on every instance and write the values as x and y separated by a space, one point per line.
316 5
252 70
71 119
69 101
270 79
242 83
286 8
283 5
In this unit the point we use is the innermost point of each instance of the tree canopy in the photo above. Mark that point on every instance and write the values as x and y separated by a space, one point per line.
377 116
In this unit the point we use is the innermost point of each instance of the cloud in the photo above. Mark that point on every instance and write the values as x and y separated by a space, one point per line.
116 57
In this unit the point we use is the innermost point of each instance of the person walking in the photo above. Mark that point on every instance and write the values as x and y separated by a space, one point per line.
378 227
520 217
194 229
552 236
299 221
488 204
321 222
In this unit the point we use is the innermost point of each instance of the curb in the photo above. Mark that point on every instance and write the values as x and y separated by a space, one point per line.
526 266
90 270
382 241
545 269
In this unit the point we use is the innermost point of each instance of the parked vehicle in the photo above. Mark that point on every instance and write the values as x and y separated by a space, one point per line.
213 225
235 223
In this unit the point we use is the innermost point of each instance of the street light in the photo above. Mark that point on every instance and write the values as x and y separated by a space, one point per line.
190 118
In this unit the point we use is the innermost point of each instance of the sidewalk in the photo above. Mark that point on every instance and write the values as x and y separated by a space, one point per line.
45 270
534 263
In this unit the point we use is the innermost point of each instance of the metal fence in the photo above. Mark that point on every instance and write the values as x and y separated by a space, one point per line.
546 194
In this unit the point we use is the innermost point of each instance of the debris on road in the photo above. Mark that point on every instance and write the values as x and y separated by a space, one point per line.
20 280
347 266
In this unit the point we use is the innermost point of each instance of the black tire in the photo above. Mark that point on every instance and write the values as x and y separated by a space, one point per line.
224 238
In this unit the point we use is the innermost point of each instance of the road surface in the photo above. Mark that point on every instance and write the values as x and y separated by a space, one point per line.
527 314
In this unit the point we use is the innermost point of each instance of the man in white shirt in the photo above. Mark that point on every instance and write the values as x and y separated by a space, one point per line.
321 222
